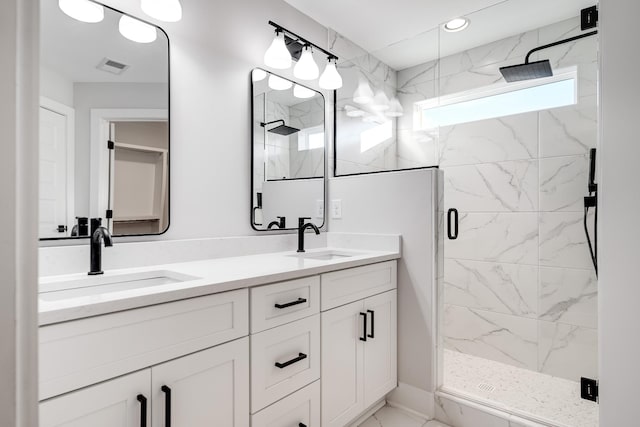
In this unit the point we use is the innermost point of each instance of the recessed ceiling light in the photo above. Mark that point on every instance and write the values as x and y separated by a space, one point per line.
456 24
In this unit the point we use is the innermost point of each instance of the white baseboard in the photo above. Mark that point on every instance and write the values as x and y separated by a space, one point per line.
413 400
366 414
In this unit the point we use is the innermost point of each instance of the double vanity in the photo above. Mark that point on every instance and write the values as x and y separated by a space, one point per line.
276 339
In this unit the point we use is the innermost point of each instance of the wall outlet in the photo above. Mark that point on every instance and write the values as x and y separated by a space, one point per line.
336 209
319 208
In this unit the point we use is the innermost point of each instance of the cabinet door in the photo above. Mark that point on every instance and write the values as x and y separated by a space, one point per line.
380 350
114 403
342 367
205 389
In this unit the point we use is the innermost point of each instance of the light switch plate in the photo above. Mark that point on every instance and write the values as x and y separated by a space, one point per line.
319 208
336 209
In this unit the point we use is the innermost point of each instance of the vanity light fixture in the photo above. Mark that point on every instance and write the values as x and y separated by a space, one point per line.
306 68
380 101
330 78
278 83
302 92
455 25
287 44
363 94
82 10
278 56
163 10
136 30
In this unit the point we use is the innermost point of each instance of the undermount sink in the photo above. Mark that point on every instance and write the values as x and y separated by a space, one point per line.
325 256
100 285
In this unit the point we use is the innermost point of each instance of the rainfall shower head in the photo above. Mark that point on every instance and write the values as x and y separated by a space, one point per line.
527 71
283 129
538 69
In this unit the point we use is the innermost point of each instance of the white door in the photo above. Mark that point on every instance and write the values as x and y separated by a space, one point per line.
115 403
380 350
342 367
206 389
53 174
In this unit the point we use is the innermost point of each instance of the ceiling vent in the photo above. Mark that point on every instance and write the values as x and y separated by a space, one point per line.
111 66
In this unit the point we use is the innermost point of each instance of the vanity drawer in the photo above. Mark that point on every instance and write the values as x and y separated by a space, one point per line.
281 303
283 360
345 286
302 407
86 351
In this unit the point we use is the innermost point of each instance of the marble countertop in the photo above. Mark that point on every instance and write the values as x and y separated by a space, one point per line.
210 276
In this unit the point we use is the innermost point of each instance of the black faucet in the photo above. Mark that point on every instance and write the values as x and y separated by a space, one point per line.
279 224
98 234
301 228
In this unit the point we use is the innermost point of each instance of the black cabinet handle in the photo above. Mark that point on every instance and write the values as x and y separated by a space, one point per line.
167 405
301 356
450 233
364 325
143 410
292 303
373 323
302 425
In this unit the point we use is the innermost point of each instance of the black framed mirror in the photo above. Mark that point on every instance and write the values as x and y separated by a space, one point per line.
288 152
104 122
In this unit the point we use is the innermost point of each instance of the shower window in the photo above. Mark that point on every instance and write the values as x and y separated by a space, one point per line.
499 100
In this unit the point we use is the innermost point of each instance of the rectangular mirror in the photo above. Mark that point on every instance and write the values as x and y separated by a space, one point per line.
104 123
288 153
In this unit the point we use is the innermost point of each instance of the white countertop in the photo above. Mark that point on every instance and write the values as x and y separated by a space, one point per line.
212 276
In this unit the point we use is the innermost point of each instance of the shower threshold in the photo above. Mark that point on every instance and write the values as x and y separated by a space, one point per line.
531 395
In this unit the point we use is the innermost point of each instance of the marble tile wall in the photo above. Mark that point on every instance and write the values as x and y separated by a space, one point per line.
519 285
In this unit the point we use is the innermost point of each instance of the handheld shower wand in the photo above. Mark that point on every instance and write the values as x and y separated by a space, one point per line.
591 201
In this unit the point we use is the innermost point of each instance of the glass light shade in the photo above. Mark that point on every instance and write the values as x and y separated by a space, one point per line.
352 111
395 108
363 94
306 68
278 83
330 78
380 101
136 30
82 10
278 56
302 92
258 75
163 10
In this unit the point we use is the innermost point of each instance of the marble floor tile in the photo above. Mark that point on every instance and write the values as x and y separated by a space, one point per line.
568 296
523 392
500 288
510 186
388 416
507 339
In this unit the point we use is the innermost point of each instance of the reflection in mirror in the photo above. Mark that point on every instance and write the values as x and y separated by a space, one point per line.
288 152
104 128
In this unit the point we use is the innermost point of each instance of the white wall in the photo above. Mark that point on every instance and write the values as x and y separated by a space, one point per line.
18 212
619 205
56 87
401 203
213 50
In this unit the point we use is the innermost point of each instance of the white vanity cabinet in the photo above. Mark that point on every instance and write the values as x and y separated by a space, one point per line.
359 341
207 388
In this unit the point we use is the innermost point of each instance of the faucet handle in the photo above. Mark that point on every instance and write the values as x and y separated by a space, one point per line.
301 220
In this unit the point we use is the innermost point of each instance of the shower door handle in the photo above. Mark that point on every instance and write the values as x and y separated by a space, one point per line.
451 222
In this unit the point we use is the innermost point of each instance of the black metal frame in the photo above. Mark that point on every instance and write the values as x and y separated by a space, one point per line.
252 118
168 138
306 42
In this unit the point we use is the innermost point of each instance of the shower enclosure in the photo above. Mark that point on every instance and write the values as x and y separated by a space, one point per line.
517 291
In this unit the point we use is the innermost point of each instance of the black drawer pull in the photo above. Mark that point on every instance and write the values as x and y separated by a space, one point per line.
167 405
302 425
292 303
364 325
450 233
301 356
143 410
373 323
